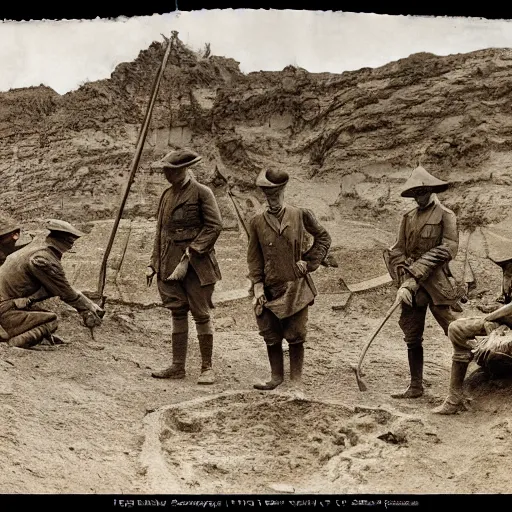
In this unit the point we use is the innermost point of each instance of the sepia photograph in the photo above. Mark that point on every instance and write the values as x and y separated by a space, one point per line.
256 252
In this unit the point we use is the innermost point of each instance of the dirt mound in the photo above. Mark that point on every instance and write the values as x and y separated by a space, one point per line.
264 443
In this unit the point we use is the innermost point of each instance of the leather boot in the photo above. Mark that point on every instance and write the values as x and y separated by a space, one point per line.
206 348
415 389
179 356
30 338
275 357
296 363
454 402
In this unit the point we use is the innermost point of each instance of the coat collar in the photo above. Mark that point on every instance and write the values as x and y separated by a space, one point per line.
277 226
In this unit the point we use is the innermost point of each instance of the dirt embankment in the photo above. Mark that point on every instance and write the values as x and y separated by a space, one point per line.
360 132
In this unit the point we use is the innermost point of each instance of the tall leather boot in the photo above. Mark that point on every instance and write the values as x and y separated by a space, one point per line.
179 357
206 348
454 402
415 389
296 364
275 357
30 338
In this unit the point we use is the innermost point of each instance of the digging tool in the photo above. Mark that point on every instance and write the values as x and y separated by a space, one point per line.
357 369
98 295
235 206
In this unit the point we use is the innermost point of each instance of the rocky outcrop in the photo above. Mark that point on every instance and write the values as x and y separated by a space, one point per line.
364 130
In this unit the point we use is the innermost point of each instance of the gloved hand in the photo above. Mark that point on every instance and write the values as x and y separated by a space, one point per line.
150 273
303 267
407 290
22 303
91 319
405 295
259 298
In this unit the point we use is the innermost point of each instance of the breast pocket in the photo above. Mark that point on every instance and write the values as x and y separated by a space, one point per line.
191 212
431 231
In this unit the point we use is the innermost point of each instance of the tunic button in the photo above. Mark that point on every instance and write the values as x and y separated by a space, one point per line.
270 243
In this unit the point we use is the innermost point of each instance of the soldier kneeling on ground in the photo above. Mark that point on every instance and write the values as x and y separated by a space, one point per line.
33 274
493 352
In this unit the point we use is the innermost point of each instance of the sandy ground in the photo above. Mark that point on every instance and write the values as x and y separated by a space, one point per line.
75 419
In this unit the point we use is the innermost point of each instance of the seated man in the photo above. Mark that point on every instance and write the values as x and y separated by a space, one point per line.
492 352
35 273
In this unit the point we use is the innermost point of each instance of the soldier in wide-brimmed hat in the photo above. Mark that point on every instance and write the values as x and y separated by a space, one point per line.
183 259
279 268
428 239
35 273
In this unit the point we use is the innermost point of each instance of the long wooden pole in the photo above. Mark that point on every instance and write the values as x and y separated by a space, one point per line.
134 165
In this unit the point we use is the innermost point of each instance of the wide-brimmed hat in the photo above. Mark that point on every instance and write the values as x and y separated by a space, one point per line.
420 180
8 227
177 160
61 226
272 179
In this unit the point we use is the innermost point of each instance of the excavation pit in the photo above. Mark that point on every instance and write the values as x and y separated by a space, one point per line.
258 442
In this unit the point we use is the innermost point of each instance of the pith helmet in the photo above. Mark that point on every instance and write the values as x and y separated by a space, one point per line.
8 227
272 179
177 160
61 226
421 179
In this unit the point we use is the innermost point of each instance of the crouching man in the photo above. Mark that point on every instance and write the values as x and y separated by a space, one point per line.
279 271
494 352
35 273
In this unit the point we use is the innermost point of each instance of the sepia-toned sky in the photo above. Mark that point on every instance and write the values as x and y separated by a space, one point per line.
64 54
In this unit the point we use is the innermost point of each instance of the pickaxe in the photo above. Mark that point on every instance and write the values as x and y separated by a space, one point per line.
97 295
357 369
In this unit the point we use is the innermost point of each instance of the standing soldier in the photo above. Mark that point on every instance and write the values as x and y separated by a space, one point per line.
418 263
183 259
279 271
35 273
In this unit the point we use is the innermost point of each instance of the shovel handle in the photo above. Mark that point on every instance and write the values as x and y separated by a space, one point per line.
367 346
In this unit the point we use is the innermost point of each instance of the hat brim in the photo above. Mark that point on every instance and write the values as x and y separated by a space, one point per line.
8 231
413 192
76 234
161 165
263 182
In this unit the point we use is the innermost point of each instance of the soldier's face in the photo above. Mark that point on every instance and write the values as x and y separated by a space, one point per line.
507 282
175 176
10 239
423 198
67 240
275 198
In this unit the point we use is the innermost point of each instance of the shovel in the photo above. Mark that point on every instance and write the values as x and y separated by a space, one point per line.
357 369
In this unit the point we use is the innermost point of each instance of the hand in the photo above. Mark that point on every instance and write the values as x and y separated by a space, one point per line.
303 267
259 294
490 327
97 310
91 319
22 303
405 295
150 272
